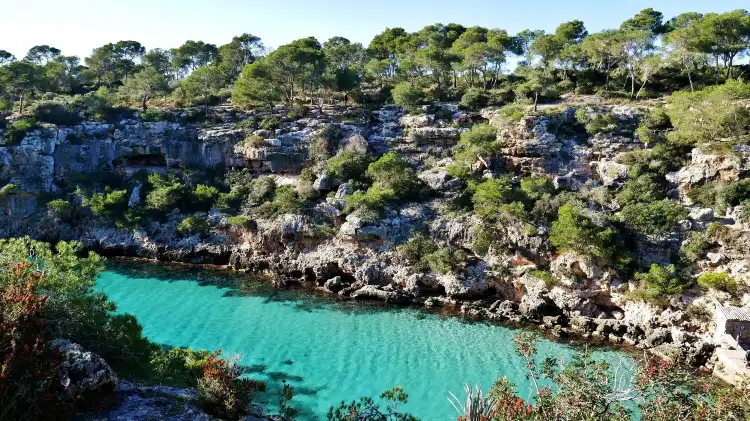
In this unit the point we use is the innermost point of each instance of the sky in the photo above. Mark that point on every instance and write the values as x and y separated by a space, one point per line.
78 26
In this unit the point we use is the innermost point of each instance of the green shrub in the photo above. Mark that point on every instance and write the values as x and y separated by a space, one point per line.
271 122
60 207
713 113
484 238
261 190
240 221
193 225
369 204
154 115
660 281
109 203
489 196
596 123
228 202
408 96
56 113
533 188
391 172
480 140
513 113
643 189
203 196
414 250
8 189
575 230
447 260
718 280
286 201
348 165
178 367
656 218
547 277
298 111
166 192
473 99
254 140
15 133
500 96
694 248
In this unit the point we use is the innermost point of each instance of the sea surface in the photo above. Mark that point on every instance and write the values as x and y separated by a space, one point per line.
328 350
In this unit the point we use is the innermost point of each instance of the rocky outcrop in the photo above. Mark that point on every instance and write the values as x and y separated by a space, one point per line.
84 375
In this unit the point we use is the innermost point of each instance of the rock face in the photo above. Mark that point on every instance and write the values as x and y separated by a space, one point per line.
519 277
84 374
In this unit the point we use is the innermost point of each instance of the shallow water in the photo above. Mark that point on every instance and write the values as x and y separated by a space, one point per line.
328 350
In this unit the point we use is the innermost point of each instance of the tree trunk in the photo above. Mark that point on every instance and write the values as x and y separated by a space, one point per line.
690 79
632 85
144 101
20 108
536 100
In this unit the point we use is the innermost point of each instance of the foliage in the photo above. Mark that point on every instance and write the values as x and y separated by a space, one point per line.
285 201
446 260
110 203
204 196
193 225
222 391
546 276
656 218
710 114
271 122
15 133
367 409
58 113
415 249
240 221
166 192
8 190
203 83
595 122
534 188
642 189
408 96
29 379
718 280
60 207
180 367
348 165
144 85
575 230
473 99
261 190
489 196
478 142
660 281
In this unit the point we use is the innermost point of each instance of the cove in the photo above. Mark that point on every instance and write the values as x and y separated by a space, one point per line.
328 350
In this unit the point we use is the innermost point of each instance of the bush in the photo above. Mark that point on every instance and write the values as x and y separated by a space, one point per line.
348 165
391 172
204 196
271 122
166 192
222 391
8 189
179 367
480 140
261 190
446 261
15 133
713 113
393 398
29 380
489 196
240 221
254 140
473 99
596 123
656 218
414 251
575 230
660 281
368 205
547 277
56 113
642 189
513 113
408 96
694 248
484 238
718 280
60 207
298 111
286 201
534 188
109 203
193 225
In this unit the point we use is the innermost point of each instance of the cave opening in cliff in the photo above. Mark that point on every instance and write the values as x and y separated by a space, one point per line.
141 160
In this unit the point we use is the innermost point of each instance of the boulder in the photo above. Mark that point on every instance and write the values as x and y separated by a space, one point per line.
356 143
611 172
84 374
702 214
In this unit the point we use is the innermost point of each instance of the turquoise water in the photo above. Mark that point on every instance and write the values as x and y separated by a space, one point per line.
328 350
